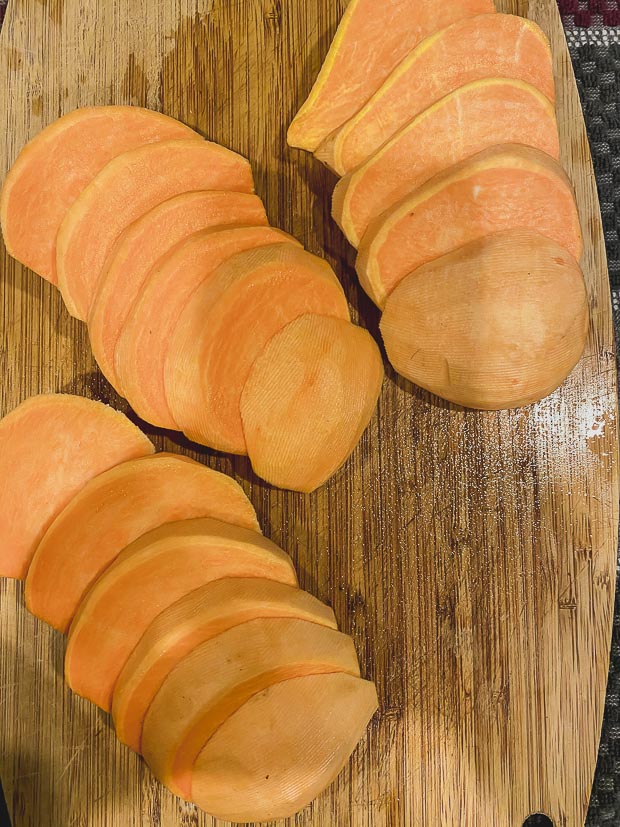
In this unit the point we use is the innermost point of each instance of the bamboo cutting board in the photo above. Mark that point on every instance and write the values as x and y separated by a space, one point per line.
471 555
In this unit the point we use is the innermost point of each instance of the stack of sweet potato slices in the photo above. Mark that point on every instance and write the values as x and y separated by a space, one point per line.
451 189
156 239
183 620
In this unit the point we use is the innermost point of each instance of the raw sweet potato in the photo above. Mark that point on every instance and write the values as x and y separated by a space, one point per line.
225 326
50 447
141 246
52 170
308 399
488 45
282 748
371 40
143 344
505 187
127 188
219 676
150 575
498 323
112 511
191 621
472 118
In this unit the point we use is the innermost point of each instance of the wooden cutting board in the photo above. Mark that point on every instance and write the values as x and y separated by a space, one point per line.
471 555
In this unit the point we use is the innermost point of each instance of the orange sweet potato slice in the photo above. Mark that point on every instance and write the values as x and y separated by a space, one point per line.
54 167
50 447
471 49
283 747
226 325
506 187
143 344
126 188
141 246
465 122
191 621
112 511
150 575
498 323
308 399
219 676
371 40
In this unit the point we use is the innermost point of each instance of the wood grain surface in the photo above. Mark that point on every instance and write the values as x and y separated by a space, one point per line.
471 555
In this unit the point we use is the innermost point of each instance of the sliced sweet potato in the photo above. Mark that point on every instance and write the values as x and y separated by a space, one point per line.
498 323
50 447
112 511
488 45
143 344
226 325
218 677
283 747
126 188
505 187
470 119
308 399
55 166
371 40
141 246
191 621
150 575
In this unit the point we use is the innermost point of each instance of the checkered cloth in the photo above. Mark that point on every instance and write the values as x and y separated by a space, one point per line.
593 34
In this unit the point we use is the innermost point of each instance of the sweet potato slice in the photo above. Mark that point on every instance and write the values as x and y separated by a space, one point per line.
371 40
191 621
283 747
218 677
498 323
143 344
465 122
50 447
141 246
226 325
505 187
112 511
487 45
308 399
150 575
55 166
126 188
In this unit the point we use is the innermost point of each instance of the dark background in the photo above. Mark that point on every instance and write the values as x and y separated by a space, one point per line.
593 34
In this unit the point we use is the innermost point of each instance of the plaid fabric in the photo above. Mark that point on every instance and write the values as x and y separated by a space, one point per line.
589 13
593 34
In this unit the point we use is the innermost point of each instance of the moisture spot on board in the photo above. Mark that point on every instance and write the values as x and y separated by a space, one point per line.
135 86
185 70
